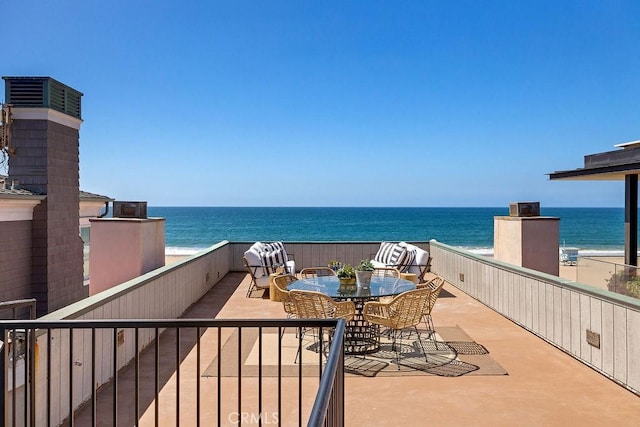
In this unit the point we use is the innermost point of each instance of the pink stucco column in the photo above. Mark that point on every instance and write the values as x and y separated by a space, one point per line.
124 248
531 242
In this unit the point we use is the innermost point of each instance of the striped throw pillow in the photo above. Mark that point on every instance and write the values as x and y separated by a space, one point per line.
407 261
272 260
397 256
384 253
276 246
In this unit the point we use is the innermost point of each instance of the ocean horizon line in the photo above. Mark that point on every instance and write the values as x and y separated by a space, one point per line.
379 207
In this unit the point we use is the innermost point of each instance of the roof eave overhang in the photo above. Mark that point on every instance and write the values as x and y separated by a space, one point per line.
605 173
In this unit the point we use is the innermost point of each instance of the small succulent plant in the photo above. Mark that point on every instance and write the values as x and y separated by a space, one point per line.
346 272
365 265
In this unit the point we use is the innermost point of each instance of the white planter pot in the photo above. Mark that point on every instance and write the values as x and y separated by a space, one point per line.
363 279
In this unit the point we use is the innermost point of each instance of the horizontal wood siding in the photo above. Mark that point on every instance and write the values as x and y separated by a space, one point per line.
558 310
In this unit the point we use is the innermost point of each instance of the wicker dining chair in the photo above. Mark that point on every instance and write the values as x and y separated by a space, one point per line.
256 282
401 313
281 283
386 272
435 285
311 272
316 305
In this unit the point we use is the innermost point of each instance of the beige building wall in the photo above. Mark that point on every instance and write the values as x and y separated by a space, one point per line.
124 248
531 242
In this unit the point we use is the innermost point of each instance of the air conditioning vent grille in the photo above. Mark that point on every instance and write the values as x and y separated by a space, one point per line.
26 93
130 210
38 92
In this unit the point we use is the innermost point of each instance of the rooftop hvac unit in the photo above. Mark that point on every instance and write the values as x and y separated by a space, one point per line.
130 210
524 209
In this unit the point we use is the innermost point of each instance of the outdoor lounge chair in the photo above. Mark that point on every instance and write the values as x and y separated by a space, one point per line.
270 257
402 312
406 257
256 282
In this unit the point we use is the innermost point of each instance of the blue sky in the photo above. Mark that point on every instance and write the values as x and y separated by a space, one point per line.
338 103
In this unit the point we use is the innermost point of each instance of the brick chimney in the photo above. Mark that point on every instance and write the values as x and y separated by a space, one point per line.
45 135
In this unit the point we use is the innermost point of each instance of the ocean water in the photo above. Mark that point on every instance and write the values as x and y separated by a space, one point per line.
595 231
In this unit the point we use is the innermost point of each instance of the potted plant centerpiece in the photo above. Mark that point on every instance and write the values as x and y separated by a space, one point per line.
335 265
346 275
364 270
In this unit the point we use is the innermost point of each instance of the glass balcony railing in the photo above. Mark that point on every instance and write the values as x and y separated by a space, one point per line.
619 278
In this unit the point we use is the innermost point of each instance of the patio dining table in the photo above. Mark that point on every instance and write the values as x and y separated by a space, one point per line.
361 336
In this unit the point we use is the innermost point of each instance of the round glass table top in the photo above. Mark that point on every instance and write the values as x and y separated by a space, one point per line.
330 285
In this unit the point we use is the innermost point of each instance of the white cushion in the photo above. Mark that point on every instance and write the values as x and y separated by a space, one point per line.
262 282
254 260
258 247
291 266
378 264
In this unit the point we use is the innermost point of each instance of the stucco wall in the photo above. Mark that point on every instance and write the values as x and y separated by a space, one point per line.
122 249
531 242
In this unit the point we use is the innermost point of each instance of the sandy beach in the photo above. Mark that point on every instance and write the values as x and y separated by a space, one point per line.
170 259
593 271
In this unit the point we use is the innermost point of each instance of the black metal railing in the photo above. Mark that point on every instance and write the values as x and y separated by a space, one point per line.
328 409
174 372
19 344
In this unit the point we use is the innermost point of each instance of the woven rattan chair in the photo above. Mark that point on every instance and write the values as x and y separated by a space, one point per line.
402 312
256 282
316 305
281 283
386 272
435 285
310 272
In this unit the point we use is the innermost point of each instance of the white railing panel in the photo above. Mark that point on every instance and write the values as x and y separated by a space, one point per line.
620 343
557 310
633 334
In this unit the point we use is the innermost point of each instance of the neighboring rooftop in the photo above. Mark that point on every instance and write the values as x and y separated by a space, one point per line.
617 165
85 195
609 165
13 189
